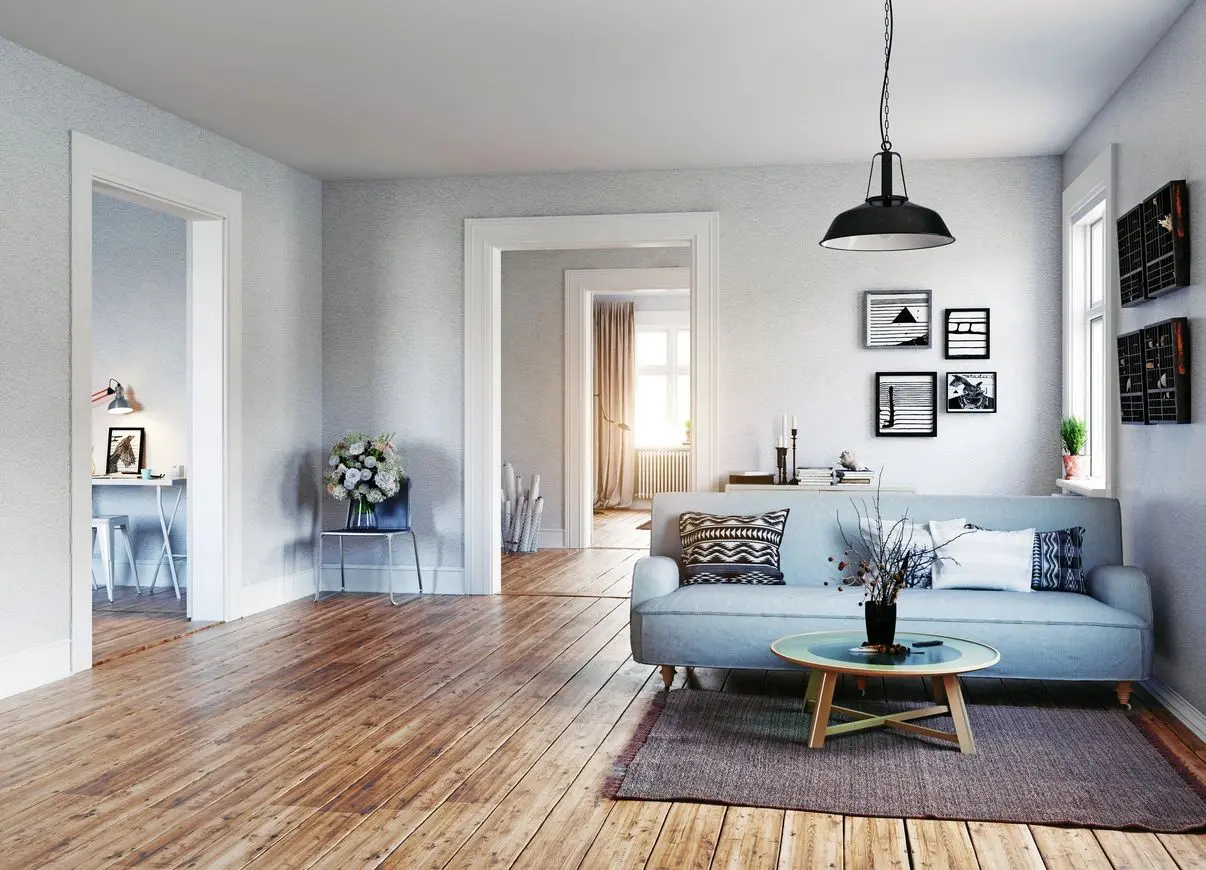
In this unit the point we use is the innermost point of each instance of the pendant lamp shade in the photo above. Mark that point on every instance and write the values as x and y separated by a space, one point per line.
887 221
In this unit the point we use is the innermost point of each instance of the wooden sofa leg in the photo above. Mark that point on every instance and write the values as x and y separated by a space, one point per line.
1123 690
667 675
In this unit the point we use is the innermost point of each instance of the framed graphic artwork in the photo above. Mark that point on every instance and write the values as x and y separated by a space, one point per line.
906 404
126 450
967 333
897 318
971 392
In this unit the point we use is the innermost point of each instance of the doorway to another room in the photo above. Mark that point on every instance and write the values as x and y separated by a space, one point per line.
156 281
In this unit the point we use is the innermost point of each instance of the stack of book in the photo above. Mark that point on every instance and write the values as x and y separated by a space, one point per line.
814 476
865 477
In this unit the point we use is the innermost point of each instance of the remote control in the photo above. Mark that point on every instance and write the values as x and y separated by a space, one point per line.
927 643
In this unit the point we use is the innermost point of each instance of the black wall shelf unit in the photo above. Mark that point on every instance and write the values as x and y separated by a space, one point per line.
1132 394
1130 258
1166 371
1166 239
1153 245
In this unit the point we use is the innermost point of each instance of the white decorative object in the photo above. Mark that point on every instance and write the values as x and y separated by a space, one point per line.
521 512
977 559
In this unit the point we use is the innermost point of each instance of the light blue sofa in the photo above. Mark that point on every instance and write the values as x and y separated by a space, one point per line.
1105 635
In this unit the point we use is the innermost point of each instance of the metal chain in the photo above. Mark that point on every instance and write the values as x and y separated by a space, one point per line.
884 108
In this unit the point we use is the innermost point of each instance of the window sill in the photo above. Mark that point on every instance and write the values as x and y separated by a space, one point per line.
1086 486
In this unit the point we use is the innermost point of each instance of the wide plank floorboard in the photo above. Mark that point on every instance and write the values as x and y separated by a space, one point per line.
449 732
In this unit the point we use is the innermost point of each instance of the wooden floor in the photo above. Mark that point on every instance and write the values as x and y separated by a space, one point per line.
132 623
448 732
619 528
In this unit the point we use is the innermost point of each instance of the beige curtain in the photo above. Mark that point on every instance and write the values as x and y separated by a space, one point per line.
615 403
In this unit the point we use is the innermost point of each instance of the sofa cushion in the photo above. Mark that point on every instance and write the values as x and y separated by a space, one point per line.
979 559
740 550
1057 560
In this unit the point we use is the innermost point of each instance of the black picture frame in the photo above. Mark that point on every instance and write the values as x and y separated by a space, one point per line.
906 405
117 457
971 393
971 337
898 319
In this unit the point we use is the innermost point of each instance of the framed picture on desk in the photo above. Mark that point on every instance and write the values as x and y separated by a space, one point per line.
127 448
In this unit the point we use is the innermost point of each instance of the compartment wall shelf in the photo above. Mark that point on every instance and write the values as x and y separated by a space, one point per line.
1132 394
1166 371
1153 245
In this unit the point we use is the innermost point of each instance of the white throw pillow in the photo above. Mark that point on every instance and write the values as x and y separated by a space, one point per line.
975 559
911 534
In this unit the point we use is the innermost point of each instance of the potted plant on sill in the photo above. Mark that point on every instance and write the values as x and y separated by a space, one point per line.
1074 434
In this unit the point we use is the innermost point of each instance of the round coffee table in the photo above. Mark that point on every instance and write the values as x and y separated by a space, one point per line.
829 653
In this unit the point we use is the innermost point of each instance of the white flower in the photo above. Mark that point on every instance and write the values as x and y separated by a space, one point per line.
387 482
351 477
333 461
375 496
338 493
362 489
356 449
349 484
369 461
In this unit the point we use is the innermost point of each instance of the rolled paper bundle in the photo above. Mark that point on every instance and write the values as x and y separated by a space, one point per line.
509 481
535 492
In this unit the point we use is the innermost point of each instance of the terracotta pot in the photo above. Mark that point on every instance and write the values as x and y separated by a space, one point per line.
1073 467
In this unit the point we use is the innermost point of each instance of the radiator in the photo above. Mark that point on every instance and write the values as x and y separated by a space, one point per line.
662 469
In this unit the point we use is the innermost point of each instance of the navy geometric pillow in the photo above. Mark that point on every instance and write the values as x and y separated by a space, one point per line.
732 549
1056 564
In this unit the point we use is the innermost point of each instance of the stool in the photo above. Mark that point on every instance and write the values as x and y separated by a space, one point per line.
102 530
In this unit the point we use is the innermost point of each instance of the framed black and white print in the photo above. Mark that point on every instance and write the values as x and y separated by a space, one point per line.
971 392
897 318
967 333
126 450
906 404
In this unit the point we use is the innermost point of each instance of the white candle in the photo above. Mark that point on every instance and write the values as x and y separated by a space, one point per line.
784 426
793 421
782 441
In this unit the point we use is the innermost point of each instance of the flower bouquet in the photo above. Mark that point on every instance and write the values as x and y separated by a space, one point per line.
363 471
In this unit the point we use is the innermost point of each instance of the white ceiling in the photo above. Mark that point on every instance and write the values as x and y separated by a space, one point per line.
387 88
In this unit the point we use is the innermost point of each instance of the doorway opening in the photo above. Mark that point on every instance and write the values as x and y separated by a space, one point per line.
485 242
629 397
198 429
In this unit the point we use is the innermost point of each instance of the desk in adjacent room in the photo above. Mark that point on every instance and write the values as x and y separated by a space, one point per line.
159 484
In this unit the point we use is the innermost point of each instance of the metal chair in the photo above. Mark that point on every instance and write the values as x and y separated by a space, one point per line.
393 519
103 528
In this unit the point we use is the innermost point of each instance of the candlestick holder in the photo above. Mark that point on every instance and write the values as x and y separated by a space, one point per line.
795 464
781 458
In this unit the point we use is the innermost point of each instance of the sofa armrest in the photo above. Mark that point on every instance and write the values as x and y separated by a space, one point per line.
1123 587
653 577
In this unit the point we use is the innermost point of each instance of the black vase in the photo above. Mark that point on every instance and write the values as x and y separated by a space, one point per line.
881 622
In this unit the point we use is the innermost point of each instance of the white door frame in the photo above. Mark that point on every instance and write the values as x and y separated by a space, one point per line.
215 280
485 240
580 287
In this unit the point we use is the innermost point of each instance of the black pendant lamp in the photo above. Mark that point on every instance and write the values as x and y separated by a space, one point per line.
887 221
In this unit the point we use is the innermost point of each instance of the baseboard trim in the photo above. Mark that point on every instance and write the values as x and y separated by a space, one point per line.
373 578
552 539
1189 715
146 570
274 593
28 669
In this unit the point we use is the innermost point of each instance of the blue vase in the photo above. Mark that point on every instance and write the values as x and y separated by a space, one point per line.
362 515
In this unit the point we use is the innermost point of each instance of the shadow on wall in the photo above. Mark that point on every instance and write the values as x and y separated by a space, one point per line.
435 504
300 496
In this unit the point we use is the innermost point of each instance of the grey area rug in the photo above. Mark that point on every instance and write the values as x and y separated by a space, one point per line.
1092 768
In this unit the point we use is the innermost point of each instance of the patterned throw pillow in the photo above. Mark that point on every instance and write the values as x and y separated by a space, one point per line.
1057 561
1056 564
733 549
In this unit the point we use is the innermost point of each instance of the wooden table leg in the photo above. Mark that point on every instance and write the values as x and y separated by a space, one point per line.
813 690
820 713
954 700
938 690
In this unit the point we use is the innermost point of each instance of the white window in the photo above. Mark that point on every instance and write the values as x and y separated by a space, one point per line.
1089 352
663 383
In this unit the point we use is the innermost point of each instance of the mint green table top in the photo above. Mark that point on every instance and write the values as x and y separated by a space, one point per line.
837 651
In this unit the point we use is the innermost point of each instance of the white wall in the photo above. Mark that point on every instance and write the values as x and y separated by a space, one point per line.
40 103
789 313
533 357
1157 120
139 316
